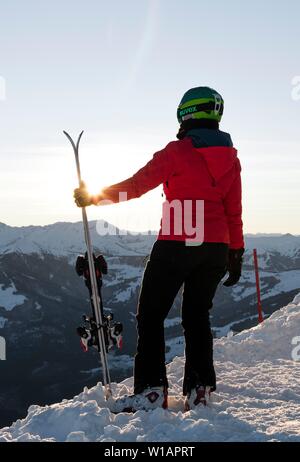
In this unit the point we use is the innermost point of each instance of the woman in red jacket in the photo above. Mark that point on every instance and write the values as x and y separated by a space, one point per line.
201 238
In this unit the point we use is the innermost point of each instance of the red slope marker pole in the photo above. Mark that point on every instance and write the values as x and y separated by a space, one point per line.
259 306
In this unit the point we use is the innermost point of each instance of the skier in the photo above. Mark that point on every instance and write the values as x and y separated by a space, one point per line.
200 167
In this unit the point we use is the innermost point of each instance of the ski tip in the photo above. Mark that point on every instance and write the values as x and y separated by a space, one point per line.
75 146
79 137
67 134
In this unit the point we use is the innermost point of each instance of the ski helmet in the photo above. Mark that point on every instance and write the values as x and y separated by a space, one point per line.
200 103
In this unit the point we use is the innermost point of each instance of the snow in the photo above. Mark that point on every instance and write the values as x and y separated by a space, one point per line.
119 362
131 275
175 347
8 297
2 322
296 300
271 340
258 398
285 281
125 295
286 244
224 331
171 322
66 239
289 280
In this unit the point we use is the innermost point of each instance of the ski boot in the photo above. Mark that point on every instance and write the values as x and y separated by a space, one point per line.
89 336
197 396
115 330
151 398
88 333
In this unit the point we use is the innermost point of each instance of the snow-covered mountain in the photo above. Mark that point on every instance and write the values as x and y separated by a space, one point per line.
66 240
42 301
258 397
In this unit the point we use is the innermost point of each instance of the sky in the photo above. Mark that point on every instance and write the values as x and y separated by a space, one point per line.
118 70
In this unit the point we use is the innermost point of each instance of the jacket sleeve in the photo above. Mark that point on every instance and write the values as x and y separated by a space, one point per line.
233 211
155 172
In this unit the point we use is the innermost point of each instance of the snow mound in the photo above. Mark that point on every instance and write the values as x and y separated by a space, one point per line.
268 341
258 398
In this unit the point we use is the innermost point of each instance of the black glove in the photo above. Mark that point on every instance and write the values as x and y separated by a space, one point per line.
234 266
82 197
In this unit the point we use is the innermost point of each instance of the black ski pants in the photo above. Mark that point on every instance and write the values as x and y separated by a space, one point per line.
171 265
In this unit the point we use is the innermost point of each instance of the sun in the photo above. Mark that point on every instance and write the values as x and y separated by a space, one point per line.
94 177
93 185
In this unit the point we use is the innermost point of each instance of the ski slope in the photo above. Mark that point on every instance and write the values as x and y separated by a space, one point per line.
258 397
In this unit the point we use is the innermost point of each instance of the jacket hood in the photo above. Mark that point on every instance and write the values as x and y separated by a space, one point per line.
206 137
219 160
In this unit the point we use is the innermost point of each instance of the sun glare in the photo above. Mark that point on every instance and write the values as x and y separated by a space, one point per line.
93 185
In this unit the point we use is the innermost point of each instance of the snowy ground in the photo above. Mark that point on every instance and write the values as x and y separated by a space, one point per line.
258 398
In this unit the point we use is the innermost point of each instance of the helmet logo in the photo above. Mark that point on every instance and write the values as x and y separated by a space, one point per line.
188 110
218 103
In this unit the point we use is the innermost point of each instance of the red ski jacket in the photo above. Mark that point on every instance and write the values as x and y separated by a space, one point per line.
189 174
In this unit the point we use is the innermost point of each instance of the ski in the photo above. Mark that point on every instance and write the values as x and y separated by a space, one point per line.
95 295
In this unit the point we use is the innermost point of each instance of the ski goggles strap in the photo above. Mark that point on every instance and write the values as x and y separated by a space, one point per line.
216 106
